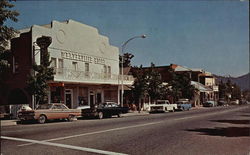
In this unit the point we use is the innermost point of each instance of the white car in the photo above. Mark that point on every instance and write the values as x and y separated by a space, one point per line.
162 106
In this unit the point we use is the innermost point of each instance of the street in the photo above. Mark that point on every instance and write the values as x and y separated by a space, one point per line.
216 130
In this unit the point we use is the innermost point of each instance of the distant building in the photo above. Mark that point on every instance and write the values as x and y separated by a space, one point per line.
86 65
204 83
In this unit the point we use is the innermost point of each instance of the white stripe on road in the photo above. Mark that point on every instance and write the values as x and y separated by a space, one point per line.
97 132
64 146
134 126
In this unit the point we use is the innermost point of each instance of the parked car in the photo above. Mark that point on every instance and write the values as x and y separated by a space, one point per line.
209 104
46 112
183 104
222 102
106 109
162 106
83 107
234 102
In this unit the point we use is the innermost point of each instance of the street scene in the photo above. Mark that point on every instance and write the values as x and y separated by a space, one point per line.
218 130
125 77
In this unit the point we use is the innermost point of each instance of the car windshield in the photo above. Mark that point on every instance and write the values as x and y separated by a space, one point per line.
44 106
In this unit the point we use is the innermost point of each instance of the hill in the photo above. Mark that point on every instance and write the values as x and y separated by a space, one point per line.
242 81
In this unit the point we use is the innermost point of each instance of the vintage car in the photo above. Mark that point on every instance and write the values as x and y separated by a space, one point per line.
209 104
162 106
46 112
106 109
183 104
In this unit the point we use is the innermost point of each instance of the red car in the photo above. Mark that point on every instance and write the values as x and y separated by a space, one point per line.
46 112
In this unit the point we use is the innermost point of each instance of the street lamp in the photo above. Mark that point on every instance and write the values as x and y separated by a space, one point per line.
122 50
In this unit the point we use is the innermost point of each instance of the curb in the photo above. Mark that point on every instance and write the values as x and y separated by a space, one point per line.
135 114
8 122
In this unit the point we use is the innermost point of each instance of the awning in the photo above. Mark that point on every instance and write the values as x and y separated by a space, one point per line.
201 87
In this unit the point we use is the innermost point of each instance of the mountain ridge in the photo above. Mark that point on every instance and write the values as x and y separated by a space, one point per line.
242 81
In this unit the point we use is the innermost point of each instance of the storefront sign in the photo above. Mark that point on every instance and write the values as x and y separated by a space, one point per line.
81 57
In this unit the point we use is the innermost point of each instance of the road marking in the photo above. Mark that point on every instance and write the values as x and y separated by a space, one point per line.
64 146
96 132
134 126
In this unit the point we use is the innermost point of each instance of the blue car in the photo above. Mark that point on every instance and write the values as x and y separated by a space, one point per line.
183 105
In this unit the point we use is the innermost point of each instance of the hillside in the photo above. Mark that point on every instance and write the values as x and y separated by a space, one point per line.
242 81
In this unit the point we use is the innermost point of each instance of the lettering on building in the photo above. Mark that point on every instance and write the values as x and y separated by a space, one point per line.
82 57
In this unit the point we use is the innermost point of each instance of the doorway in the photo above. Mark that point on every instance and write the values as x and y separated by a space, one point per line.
68 98
92 98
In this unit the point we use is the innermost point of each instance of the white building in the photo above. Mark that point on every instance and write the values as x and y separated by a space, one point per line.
86 65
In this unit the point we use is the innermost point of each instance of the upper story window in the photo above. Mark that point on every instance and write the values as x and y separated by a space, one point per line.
104 68
109 69
87 69
53 63
74 65
60 66
15 66
60 63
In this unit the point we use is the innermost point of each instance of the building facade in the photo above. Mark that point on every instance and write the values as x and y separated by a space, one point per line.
86 65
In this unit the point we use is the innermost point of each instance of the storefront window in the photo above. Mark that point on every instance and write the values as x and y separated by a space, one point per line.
83 96
56 95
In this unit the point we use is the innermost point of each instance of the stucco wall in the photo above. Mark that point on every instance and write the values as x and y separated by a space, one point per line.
72 41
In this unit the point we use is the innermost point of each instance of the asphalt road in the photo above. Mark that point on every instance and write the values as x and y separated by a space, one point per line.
207 131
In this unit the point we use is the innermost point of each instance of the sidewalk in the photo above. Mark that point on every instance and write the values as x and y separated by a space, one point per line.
8 122
135 113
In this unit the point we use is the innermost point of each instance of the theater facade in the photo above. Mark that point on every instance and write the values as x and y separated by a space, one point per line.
86 65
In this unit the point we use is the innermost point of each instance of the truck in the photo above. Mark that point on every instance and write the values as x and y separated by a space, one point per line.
162 106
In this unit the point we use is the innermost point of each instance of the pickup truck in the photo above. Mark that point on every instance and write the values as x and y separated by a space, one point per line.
106 109
183 105
162 106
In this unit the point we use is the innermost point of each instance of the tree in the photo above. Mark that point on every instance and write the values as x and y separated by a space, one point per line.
6 33
155 87
139 88
181 86
126 59
38 79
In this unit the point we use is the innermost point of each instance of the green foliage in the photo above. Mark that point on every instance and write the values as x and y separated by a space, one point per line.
126 59
139 88
180 86
6 33
155 87
38 79
150 83
229 88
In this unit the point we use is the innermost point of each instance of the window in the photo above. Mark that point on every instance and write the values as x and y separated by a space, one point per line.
105 69
87 69
60 65
109 71
53 62
74 65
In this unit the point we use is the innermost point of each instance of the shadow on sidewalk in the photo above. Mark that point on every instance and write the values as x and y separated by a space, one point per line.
225 132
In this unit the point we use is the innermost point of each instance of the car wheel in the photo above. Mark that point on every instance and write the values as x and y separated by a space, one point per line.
100 115
119 115
42 119
71 118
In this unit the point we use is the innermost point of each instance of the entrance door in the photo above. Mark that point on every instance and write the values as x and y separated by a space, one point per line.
68 97
92 98
99 98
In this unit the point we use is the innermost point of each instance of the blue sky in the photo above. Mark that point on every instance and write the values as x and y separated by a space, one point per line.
211 35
